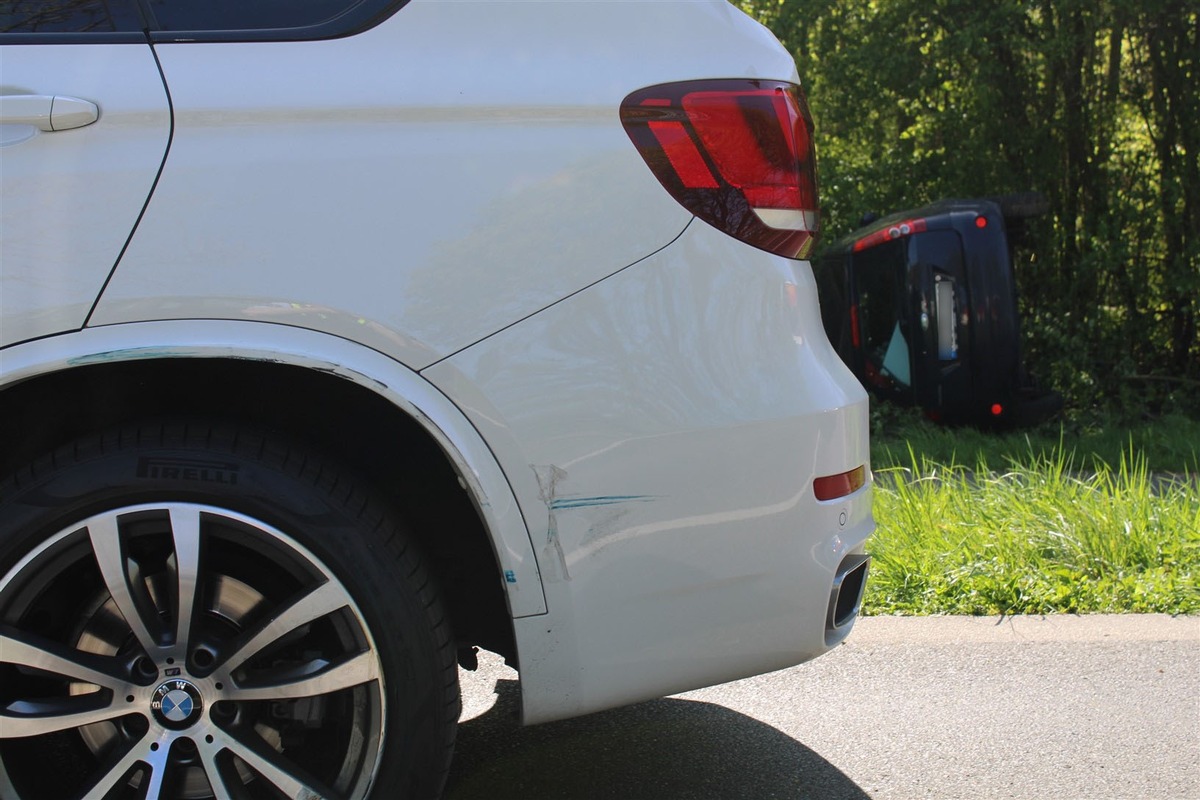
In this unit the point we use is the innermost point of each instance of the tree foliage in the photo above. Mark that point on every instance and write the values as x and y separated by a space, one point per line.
1095 103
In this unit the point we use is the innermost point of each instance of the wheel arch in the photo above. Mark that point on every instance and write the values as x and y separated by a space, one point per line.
375 416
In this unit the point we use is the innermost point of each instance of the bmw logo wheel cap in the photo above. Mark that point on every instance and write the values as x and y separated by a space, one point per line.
176 704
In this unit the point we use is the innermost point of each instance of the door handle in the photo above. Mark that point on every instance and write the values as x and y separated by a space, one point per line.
47 112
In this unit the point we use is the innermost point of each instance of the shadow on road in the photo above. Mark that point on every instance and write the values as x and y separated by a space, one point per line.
678 749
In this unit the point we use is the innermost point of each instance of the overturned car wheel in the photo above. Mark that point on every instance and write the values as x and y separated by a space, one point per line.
198 612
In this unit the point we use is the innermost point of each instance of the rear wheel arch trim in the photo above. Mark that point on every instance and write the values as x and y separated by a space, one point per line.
402 387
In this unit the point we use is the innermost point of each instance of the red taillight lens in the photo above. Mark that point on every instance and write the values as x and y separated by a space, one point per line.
895 231
832 487
736 153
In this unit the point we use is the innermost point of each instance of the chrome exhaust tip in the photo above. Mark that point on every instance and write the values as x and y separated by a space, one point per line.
845 598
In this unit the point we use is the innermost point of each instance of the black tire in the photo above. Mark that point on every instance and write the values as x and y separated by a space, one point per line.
316 655
1022 205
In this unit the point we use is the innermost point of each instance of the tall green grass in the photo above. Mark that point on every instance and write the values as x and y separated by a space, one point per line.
1169 444
1046 532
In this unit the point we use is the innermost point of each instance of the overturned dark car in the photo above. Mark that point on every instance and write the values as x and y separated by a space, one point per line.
922 306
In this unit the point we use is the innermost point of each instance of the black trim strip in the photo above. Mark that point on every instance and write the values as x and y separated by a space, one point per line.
111 37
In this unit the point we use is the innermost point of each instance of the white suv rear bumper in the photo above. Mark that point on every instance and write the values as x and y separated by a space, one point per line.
661 432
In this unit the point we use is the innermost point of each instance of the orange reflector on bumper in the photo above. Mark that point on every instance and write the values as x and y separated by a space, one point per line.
831 487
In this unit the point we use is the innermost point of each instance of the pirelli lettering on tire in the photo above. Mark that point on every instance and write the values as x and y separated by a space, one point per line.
184 469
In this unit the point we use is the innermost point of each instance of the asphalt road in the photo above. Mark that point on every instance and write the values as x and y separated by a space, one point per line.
945 707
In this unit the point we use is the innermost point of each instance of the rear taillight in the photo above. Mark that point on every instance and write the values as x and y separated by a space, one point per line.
736 153
896 231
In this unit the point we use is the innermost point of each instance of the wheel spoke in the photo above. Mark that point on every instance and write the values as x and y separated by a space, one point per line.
185 530
36 653
325 599
208 757
358 670
114 773
267 763
33 718
106 544
157 760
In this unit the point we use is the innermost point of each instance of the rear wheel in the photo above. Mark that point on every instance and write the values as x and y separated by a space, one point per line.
200 612
1022 205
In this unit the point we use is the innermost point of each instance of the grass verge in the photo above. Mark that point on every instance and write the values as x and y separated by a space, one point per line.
1047 530
1169 445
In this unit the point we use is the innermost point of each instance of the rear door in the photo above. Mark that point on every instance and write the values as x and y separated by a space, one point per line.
84 129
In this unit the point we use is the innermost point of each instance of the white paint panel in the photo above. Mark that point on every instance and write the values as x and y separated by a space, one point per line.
70 198
424 184
662 431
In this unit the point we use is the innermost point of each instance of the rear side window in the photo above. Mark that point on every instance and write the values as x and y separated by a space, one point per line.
70 16
50 21
243 15
879 276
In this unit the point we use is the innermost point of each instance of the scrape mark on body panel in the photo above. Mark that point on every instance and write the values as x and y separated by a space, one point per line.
130 354
604 500
549 478
553 559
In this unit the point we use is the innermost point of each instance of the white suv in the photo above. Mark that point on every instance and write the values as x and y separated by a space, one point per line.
340 338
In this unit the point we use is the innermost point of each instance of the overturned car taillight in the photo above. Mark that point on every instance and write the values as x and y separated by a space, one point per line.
891 232
736 153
